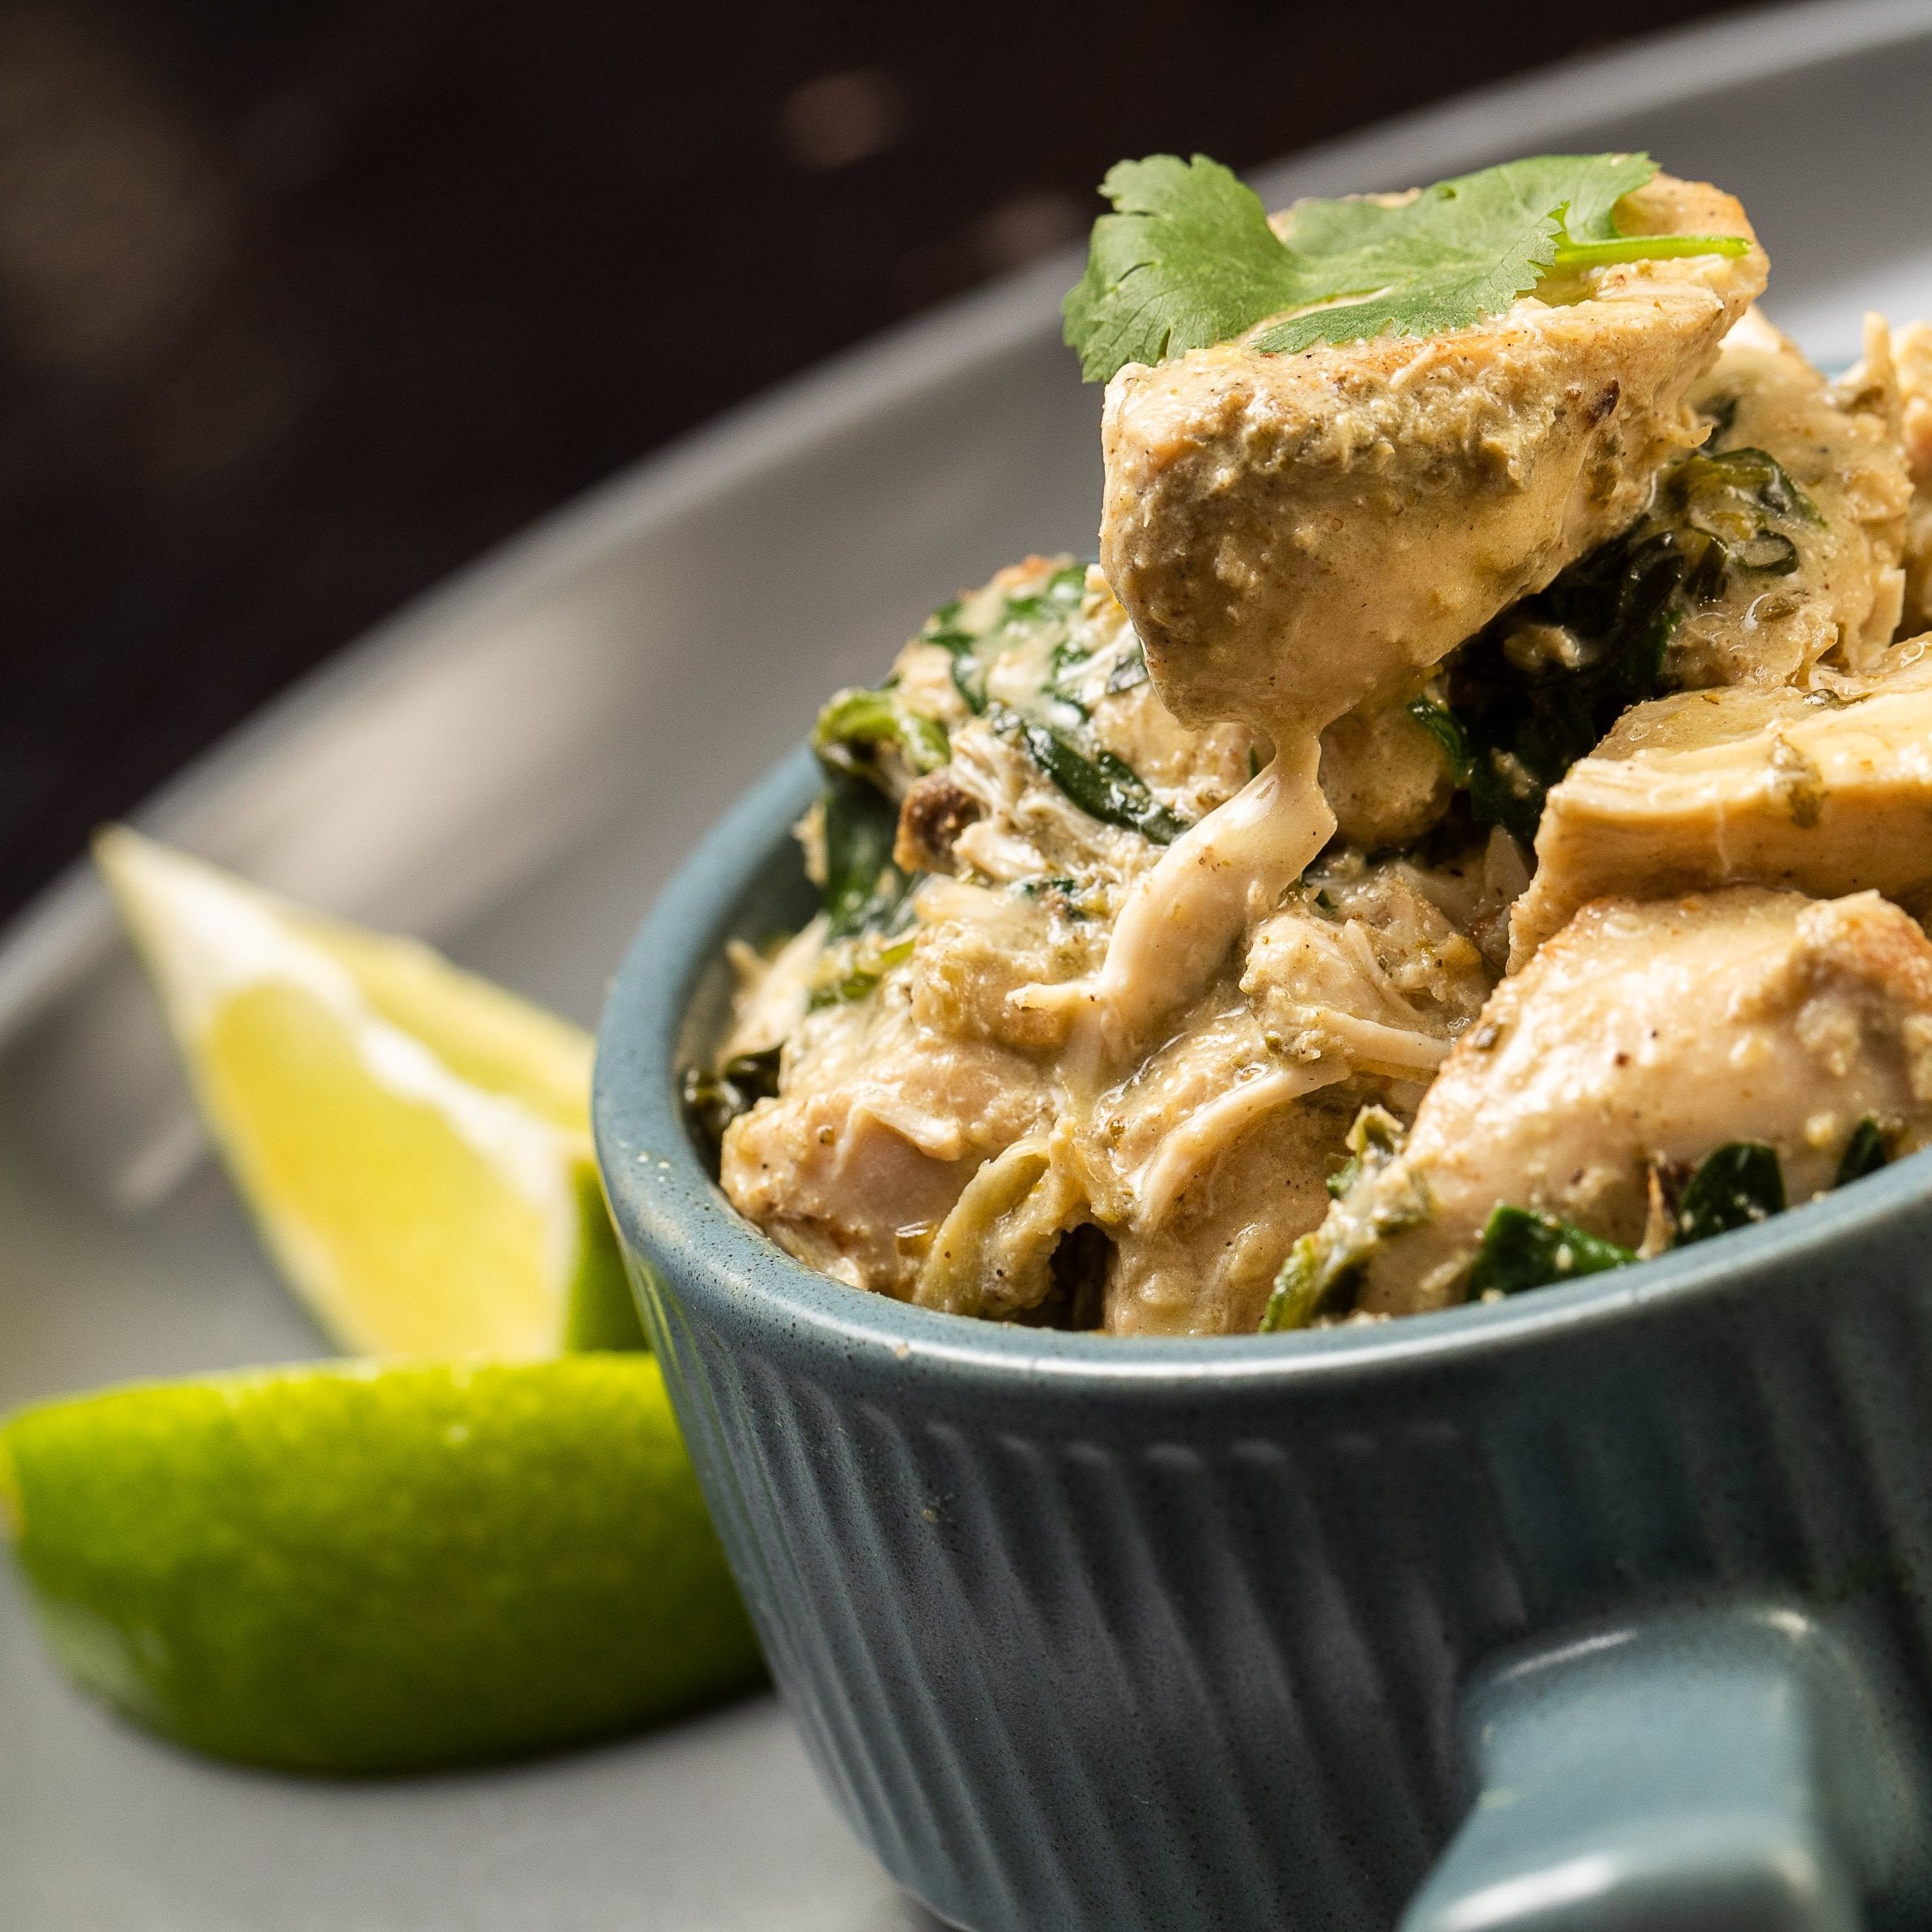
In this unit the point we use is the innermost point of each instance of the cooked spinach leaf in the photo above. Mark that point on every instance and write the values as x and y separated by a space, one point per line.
1522 1247
864 892
713 1099
1731 494
1537 688
976 638
859 974
854 723
1866 1151
1103 786
1324 1269
1734 1186
1534 690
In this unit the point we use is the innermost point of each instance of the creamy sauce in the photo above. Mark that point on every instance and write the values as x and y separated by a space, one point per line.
1181 919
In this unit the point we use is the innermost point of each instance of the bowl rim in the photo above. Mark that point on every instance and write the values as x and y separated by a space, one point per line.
667 1208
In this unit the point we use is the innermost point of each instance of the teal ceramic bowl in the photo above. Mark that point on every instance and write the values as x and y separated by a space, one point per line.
1608 1607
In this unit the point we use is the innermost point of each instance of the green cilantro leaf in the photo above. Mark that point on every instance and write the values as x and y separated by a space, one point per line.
1461 250
1189 258
1186 258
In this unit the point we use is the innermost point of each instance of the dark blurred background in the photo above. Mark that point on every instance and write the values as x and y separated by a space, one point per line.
305 304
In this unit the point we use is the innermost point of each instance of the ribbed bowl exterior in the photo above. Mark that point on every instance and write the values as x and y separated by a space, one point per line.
1088 1636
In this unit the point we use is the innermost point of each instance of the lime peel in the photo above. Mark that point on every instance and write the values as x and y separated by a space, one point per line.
351 1568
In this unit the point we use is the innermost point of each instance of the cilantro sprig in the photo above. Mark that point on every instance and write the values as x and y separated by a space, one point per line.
1189 257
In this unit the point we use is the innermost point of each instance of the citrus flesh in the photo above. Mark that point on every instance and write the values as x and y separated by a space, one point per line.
354 1569
414 1142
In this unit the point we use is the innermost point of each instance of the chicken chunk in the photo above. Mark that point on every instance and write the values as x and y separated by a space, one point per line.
880 1124
1830 793
1296 537
1292 534
1642 1037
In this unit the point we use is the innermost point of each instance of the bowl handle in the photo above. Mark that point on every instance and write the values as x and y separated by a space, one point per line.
1713 1771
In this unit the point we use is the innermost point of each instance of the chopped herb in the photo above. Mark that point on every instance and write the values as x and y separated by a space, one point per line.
860 975
1734 1186
1524 1248
864 892
1866 1151
1015 622
1102 786
713 1101
854 723
1441 725
1344 1177
1130 673
1324 1269
1189 257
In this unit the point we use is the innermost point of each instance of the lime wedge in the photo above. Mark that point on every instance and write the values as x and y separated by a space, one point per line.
414 1143
346 1567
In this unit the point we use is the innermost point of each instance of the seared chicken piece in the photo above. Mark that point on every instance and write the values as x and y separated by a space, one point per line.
1298 535
1293 534
1211 1156
1642 1037
1911 350
1831 587
1829 793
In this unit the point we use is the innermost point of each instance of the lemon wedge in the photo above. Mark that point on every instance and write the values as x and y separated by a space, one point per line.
413 1142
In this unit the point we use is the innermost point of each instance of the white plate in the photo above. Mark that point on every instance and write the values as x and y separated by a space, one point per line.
512 769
